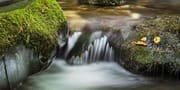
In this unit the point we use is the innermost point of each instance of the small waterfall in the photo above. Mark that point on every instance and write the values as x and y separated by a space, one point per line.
65 47
72 41
98 50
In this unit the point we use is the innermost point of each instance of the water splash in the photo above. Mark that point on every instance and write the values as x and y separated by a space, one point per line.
98 50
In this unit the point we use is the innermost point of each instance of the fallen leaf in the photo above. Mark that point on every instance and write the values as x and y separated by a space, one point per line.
157 39
144 39
141 43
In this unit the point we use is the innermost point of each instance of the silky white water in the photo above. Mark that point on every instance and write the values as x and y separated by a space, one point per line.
61 76
98 50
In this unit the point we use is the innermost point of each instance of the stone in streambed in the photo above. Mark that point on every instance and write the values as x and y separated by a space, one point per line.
33 24
103 2
161 54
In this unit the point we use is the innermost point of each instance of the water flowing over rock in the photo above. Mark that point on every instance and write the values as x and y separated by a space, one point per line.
86 48
98 50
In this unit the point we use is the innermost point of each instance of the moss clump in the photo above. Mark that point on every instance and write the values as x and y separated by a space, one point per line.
141 54
35 26
159 24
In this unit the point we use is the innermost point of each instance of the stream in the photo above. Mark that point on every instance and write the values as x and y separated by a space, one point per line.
100 76
95 72
95 68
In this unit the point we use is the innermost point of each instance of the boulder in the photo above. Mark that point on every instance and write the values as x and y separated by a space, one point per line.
103 2
152 47
29 31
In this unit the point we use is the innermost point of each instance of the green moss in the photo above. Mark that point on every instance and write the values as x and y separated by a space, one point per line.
141 54
35 26
165 27
157 25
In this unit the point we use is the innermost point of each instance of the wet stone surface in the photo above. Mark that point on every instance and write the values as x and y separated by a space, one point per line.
8 2
152 47
103 2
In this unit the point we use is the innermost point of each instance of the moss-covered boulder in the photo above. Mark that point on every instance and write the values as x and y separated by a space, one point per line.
103 2
29 31
35 25
152 48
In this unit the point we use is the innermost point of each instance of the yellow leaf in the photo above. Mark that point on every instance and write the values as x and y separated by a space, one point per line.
157 39
144 39
140 43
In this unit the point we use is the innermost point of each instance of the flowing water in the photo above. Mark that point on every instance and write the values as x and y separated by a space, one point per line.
90 18
100 76
94 67
62 76
102 73
98 50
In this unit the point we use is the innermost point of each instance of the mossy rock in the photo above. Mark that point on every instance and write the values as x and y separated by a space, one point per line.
103 2
35 24
156 57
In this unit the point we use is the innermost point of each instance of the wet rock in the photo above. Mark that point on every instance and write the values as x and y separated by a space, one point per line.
160 55
17 65
163 4
36 26
7 2
103 2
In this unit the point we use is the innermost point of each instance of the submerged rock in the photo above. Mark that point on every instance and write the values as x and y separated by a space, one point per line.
36 26
7 2
152 48
103 2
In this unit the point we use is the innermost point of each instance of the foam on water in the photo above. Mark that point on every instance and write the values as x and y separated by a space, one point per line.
61 76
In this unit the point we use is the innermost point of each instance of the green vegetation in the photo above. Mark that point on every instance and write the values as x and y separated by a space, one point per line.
36 26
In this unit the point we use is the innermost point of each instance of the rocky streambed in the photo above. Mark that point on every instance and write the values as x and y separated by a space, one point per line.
145 40
145 37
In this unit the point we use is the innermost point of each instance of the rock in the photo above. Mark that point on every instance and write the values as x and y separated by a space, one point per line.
161 55
103 2
163 4
33 24
7 2
17 65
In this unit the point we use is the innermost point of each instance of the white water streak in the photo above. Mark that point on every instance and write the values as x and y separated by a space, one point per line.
72 41
99 50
